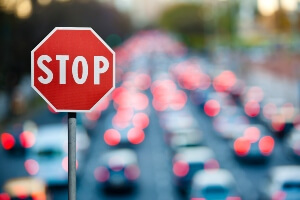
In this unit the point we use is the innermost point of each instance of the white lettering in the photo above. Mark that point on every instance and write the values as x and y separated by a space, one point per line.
62 67
99 70
84 70
45 69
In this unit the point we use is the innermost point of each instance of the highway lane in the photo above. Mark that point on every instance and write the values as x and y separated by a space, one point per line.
155 158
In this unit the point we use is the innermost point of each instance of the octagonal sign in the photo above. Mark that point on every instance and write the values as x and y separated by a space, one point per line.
72 69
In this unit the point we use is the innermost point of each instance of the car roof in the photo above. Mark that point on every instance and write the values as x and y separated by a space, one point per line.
212 177
285 173
295 135
55 135
120 156
194 154
183 139
28 184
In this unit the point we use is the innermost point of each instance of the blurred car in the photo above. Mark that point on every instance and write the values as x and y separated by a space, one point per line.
186 138
230 122
278 115
48 158
177 122
19 137
216 103
253 144
283 183
216 184
172 119
118 170
292 143
188 160
25 188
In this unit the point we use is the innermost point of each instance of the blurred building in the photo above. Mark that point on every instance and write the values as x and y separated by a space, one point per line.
145 12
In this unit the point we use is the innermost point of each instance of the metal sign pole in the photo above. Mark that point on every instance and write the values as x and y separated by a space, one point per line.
72 155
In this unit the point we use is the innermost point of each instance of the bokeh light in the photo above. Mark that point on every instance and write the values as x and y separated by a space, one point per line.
181 168
212 108
7 141
23 9
112 137
242 146
31 166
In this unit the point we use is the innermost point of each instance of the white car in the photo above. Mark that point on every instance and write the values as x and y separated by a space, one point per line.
283 183
186 138
293 143
215 184
47 159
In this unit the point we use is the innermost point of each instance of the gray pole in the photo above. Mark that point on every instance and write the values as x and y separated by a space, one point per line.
72 155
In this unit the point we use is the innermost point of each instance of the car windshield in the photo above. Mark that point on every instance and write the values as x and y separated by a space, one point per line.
215 192
291 186
194 167
26 198
49 153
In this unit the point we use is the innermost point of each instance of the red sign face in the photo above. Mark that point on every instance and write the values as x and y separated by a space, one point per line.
72 69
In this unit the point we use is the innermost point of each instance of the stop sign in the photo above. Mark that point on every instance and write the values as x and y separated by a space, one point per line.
72 69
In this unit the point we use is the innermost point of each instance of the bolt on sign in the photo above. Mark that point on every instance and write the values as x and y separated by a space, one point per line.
72 69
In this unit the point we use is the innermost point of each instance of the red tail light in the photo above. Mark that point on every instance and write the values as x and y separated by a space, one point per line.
242 146
31 166
112 137
212 108
280 195
101 174
132 172
140 120
64 164
140 101
8 141
233 198
278 123
135 136
181 168
27 139
252 133
252 108
212 164
266 145
224 81
4 196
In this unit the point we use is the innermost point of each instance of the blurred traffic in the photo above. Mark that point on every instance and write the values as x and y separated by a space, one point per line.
193 116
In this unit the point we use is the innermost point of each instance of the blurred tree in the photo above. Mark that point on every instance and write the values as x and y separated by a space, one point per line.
193 21
200 23
19 36
281 21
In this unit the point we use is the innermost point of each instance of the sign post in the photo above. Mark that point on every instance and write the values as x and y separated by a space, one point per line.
72 69
72 155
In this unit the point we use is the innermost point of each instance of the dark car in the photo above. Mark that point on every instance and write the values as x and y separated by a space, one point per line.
253 144
118 170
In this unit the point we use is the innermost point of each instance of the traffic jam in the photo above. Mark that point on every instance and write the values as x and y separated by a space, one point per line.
174 128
